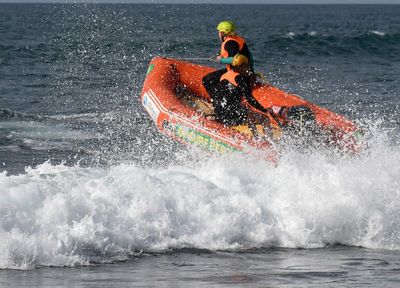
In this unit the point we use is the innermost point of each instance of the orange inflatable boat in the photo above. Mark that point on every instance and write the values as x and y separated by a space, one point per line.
176 100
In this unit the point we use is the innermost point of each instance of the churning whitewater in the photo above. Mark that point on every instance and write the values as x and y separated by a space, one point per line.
56 215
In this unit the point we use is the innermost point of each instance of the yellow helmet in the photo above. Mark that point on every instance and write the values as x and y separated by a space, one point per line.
227 27
239 60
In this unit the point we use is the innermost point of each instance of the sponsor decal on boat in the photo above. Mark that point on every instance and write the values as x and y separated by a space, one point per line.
202 140
150 106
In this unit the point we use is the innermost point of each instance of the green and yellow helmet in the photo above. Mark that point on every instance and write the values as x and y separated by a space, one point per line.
227 27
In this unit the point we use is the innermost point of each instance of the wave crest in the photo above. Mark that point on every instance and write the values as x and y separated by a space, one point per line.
65 216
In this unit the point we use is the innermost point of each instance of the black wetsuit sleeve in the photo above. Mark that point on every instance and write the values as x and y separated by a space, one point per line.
232 47
245 90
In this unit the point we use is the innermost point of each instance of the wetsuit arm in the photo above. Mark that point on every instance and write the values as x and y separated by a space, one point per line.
227 60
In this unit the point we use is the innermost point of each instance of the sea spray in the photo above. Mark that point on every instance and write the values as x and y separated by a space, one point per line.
64 216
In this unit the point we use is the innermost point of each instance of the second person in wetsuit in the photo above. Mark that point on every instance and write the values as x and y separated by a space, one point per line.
233 100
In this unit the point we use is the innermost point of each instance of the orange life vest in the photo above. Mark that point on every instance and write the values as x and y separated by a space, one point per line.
230 76
237 39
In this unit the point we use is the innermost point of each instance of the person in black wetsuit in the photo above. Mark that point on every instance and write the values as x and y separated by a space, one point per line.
233 100
231 45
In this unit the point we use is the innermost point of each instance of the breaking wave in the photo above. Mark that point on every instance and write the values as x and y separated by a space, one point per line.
56 215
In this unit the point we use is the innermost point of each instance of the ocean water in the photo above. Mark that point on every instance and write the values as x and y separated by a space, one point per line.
91 194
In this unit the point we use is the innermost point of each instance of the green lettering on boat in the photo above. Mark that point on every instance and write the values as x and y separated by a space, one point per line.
202 140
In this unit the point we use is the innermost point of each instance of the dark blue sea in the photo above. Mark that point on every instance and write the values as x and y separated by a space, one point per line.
92 195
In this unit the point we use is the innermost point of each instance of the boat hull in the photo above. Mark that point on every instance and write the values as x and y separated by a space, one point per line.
188 125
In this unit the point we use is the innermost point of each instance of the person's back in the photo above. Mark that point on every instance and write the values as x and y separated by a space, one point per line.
233 86
227 100
234 103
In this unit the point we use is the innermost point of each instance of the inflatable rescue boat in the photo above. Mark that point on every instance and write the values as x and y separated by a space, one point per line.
174 97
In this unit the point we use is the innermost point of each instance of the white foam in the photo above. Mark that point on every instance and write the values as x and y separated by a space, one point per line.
378 33
290 35
65 216
94 116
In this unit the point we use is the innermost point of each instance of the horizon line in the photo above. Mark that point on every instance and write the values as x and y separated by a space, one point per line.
179 3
